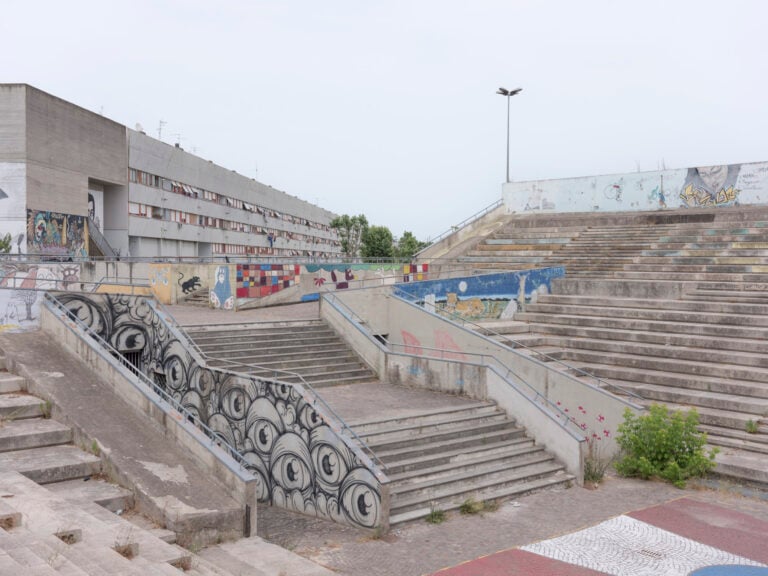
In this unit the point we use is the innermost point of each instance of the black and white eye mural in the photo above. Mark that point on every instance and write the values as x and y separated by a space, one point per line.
298 461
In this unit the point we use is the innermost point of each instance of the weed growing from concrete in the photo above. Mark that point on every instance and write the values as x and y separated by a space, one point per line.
436 515
751 427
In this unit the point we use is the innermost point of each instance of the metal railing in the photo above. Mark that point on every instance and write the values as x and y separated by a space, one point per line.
182 334
101 242
400 293
486 360
463 224
59 309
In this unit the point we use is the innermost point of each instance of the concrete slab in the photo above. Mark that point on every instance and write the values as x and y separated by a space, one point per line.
33 433
107 495
190 503
51 463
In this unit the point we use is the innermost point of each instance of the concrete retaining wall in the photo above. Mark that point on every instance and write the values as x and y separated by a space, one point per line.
281 430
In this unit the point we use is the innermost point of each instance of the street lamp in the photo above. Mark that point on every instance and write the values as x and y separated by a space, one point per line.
508 94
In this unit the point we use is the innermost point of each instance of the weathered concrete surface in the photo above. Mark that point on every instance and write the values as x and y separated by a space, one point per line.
136 452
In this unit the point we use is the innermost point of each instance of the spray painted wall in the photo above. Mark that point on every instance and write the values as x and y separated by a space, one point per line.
21 290
300 462
709 186
483 297
13 205
56 234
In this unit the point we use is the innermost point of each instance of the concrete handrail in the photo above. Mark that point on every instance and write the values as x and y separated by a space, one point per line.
464 223
58 309
487 360
367 455
401 294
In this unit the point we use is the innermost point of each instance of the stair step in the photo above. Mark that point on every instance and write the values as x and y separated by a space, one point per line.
51 463
110 496
480 464
412 430
451 497
15 406
410 451
428 416
465 432
11 383
33 433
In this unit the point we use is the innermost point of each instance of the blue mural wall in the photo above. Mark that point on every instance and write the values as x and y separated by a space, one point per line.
485 296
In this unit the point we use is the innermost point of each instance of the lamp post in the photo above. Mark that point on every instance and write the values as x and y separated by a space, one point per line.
508 94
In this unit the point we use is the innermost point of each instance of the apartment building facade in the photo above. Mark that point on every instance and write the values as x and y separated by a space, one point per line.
69 176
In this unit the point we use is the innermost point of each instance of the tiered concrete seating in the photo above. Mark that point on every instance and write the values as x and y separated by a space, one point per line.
676 313
310 349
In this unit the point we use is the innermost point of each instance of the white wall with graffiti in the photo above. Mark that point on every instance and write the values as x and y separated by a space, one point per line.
13 204
21 290
700 187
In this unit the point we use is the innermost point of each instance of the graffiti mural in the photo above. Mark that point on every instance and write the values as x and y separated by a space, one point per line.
300 462
415 272
259 280
485 296
21 290
56 234
96 207
704 186
711 186
221 294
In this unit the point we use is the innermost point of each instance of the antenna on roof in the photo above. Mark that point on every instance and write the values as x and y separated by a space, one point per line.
160 129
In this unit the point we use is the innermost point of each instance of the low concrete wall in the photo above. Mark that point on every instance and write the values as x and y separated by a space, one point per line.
426 338
238 482
448 370
698 187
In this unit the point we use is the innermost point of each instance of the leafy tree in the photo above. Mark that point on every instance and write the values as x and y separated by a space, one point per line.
351 231
5 244
408 245
378 242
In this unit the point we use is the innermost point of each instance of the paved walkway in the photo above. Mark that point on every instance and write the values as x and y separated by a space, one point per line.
513 539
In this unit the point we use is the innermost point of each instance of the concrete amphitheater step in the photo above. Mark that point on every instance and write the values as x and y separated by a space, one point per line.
19 405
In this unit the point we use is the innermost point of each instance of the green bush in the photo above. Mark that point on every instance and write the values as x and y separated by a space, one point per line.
663 444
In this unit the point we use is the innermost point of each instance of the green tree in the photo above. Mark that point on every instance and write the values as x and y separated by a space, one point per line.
408 245
378 242
351 231
5 244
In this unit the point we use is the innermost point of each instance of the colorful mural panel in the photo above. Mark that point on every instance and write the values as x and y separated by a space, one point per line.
483 297
56 234
259 280
415 272
221 293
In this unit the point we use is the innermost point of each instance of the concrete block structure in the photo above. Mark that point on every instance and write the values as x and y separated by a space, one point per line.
74 183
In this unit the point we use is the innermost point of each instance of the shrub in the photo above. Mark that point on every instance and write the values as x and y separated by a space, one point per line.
663 444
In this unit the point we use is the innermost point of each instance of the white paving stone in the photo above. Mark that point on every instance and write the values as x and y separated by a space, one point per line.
627 547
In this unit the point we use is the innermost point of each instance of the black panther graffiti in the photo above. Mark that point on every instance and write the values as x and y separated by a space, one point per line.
190 285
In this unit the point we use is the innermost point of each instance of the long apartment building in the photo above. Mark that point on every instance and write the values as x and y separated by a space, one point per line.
73 183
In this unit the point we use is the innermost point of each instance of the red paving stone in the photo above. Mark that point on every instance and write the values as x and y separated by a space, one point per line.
516 563
719 527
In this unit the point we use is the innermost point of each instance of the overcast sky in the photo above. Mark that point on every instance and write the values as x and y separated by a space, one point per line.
389 108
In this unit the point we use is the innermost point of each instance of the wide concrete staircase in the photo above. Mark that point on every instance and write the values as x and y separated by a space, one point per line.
59 515
439 459
288 351
675 313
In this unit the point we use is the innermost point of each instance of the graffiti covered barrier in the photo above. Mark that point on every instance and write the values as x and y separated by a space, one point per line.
301 462
699 187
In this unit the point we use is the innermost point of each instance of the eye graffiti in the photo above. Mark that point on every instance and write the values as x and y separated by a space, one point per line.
298 461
